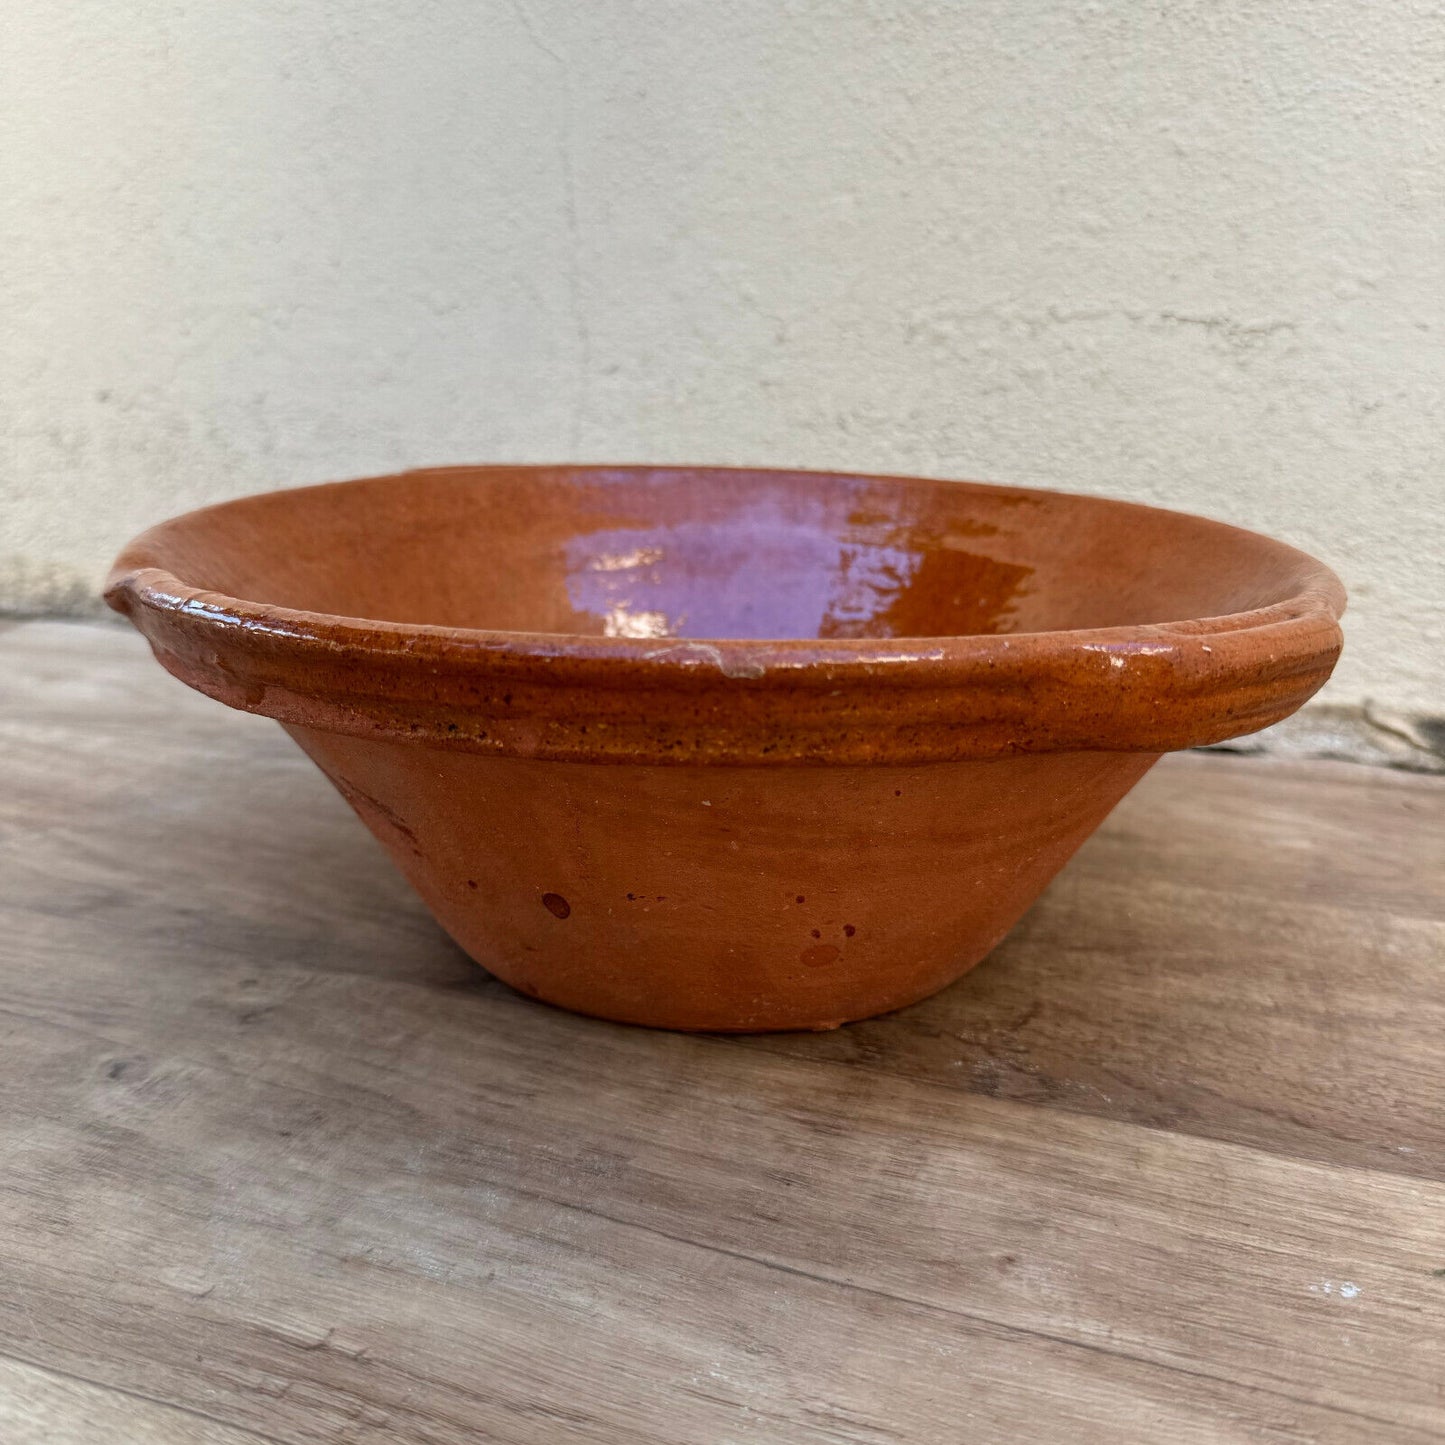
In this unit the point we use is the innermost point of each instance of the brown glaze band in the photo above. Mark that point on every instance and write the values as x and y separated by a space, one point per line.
1147 687
1139 689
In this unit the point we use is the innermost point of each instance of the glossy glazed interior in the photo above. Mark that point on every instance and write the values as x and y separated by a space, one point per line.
652 553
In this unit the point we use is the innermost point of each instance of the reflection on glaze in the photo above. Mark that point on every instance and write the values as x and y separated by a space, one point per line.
949 591
625 561
797 570
621 622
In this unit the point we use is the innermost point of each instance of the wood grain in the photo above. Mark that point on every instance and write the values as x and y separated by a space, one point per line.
276 1161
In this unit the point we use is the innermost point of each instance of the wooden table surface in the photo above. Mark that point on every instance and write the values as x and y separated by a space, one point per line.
278 1163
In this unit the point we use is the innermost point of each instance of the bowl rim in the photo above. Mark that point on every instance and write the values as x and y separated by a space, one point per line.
1149 687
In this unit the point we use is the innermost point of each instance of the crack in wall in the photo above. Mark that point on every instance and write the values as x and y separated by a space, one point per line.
941 325
573 223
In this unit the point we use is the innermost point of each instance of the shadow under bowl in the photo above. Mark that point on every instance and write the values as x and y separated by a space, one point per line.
729 750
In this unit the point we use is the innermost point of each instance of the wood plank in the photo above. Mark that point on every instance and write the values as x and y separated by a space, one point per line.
41 1407
131 802
415 1263
272 1151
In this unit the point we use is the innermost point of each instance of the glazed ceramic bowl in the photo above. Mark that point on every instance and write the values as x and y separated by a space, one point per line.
729 750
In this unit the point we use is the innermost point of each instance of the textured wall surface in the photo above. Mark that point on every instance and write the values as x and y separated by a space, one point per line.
1185 251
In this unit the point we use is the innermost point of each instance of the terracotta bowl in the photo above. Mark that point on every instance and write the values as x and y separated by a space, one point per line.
729 750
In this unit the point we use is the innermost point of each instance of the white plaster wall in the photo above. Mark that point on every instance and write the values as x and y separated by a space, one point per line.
1187 251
